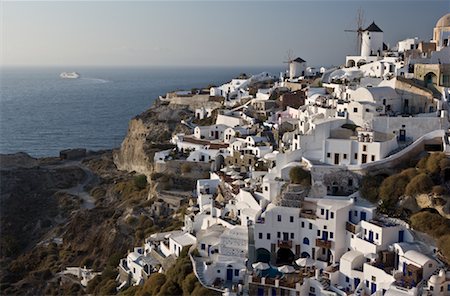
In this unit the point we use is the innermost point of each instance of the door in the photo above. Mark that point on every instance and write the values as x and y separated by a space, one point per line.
285 236
370 236
336 158
357 281
229 274
325 235
363 158
373 288
363 216
401 235
350 216
297 250
402 136
216 135
260 291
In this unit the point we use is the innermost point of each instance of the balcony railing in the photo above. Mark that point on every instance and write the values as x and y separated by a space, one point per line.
321 243
285 244
350 227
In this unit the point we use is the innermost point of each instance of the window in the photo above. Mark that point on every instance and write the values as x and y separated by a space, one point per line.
430 265
260 235
266 188
347 280
318 232
312 289
356 213
310 225
374 278
355 110
331 235
291 219
325 227
328 154
350 182
345 155
364 148
279 218
356 155
322 211
268 236
332 215
218 270
373 157
306 241
367 110
376 236
236 272
203 246
303 224
292 235
278 234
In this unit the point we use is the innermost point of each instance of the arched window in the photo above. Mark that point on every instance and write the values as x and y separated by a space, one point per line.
306 241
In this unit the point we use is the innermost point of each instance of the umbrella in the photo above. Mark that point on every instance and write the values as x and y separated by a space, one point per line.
225 169
304 262
286 269
236 176
260 266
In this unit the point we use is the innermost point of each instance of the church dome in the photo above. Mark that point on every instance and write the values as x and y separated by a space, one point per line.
443 21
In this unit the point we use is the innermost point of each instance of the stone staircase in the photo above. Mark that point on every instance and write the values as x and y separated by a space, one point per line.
324 282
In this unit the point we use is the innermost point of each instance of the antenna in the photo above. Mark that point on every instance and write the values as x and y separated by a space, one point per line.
359 28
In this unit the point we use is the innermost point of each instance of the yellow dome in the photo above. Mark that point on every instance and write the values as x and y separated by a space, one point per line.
444 21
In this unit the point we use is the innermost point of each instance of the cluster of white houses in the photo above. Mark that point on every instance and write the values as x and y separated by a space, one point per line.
249 230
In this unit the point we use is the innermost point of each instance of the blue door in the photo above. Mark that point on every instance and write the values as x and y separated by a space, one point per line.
357 281
350 216
401 233
260 291
326 214
363 216
373 288
370 236
325 235
229 274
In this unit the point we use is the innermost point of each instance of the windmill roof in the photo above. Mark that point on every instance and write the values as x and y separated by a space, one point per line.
299 60
373 28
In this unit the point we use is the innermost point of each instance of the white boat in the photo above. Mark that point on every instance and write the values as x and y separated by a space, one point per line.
69 75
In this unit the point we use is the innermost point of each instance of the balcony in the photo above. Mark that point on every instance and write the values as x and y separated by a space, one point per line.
308 214
350 227
284 244
321 243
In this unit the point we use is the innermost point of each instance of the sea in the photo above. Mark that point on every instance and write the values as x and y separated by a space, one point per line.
41 114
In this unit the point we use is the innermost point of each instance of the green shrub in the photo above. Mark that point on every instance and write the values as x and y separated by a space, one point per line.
298 175
393 187
419 184
370 187
443 244
153 284
430 223
140 181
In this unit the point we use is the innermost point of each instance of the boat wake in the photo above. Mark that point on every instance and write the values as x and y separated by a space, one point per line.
96 80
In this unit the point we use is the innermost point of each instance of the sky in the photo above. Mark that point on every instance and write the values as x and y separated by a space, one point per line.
200 33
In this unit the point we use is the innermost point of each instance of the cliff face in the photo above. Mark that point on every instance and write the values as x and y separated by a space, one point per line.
147 133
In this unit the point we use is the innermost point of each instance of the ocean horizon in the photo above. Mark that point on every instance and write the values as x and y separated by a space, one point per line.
41 114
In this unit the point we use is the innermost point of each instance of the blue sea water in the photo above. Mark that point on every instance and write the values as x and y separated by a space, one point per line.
41 114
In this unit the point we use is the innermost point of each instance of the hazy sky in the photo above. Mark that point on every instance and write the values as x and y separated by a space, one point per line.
200 33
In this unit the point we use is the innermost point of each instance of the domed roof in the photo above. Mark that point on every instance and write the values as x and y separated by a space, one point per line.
444 21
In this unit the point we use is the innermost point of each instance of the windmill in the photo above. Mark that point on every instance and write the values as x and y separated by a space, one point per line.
289 59
359 30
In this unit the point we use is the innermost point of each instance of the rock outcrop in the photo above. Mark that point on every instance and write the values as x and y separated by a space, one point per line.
150 132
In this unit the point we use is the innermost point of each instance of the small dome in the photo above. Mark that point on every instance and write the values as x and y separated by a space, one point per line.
444 21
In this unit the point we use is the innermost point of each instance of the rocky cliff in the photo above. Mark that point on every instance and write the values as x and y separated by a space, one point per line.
150 132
